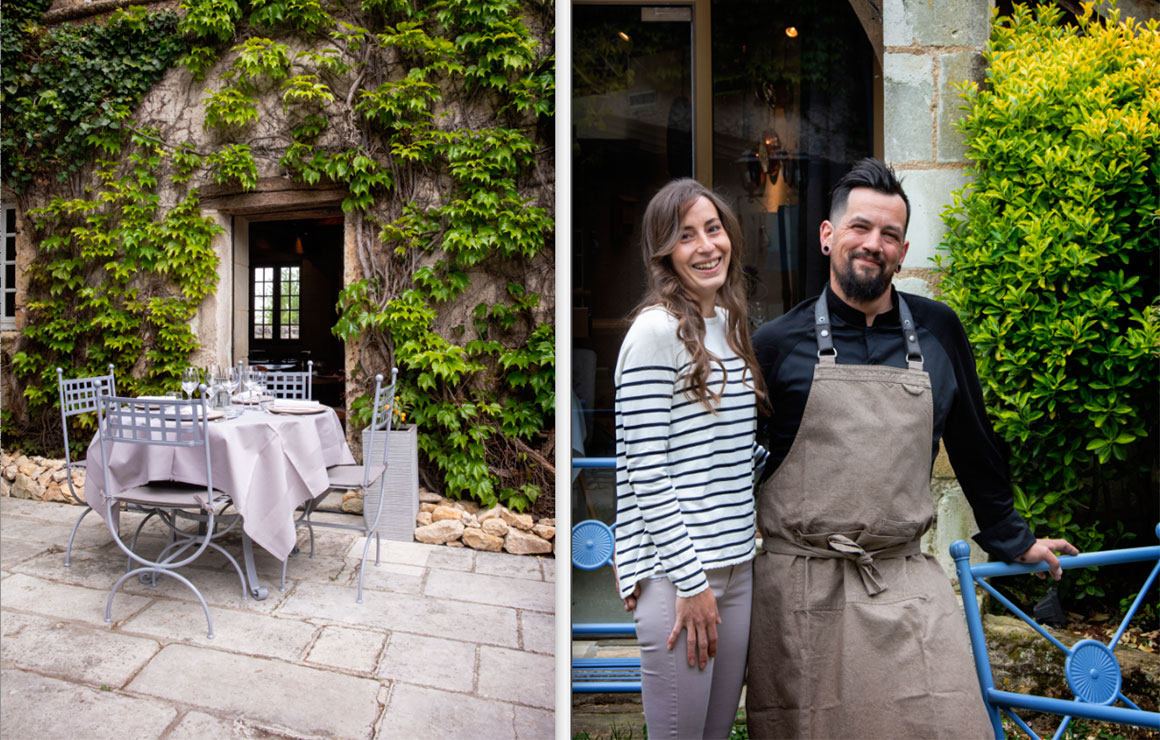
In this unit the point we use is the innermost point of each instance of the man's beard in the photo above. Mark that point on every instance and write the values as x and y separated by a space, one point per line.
860 287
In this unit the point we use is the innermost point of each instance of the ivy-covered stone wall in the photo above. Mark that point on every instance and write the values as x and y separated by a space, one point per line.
431 120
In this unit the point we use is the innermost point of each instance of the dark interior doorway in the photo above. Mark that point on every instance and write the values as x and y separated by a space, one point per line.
295 278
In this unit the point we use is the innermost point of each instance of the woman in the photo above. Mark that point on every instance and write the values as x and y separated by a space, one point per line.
686 392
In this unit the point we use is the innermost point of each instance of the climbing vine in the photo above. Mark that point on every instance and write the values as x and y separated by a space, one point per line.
117 280
61 86
434 118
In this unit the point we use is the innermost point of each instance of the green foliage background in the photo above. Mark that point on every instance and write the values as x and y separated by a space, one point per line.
1052 261
433 116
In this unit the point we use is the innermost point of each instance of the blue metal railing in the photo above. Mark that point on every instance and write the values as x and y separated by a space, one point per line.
594 462
592 546
1093 674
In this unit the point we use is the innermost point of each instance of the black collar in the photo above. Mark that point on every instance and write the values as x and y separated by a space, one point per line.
853 317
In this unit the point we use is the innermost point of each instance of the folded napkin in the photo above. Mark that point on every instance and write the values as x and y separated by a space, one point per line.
290 404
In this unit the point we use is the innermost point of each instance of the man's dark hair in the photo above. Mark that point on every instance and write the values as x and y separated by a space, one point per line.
868 173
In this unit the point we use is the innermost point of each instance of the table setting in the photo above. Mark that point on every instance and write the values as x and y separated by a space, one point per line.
269 455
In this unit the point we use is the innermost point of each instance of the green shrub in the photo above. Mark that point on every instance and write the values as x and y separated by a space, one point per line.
1052 264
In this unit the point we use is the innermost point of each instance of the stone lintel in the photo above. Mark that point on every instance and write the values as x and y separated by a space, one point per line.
273 194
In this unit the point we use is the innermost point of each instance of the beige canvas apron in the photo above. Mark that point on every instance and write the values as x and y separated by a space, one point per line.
855 633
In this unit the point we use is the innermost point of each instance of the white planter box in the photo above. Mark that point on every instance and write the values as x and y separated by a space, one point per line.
401 504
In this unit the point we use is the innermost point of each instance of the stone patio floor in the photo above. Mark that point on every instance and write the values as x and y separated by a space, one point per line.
449 643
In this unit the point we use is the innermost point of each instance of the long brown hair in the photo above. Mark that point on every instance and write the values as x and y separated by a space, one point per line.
660 234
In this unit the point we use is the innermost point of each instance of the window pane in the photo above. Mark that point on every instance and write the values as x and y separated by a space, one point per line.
10 247
9 303
263 302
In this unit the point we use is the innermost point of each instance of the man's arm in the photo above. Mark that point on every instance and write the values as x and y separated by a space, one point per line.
978 456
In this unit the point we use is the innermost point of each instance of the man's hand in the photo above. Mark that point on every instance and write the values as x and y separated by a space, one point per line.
698 616
1045 550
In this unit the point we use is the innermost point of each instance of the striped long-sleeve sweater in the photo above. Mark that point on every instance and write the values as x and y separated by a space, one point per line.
684 474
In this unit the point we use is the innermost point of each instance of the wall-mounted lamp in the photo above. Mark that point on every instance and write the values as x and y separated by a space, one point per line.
791 31
624 37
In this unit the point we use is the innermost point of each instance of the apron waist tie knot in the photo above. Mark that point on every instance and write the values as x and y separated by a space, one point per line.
871 578
841 546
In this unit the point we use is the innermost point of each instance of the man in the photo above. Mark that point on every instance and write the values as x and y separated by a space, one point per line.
855 633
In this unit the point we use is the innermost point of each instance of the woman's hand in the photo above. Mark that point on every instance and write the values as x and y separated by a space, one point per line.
698 616
630 600
1045 550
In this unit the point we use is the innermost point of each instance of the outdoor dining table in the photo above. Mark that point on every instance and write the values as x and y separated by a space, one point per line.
268 463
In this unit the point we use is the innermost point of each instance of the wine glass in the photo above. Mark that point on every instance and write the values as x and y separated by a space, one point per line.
229 378
256 384
190 379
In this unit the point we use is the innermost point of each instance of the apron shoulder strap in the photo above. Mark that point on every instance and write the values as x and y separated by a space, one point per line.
823 328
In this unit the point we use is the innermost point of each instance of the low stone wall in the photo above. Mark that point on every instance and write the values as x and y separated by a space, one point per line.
38 478
441 521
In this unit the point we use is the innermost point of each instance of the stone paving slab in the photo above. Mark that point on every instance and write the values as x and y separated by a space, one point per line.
235 630
100 570
516 676
72 652
503 564
538 631
17 551
497 590
420 615
390 577
92 533
430 661
451 558
323 702
348 649
87 605
421 712
41 707
535 724
407 553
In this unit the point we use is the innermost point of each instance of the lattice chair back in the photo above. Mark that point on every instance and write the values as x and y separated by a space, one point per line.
374 463
79 396
297 384
1093 674
165 423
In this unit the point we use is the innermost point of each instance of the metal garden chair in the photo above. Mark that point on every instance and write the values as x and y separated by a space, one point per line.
165 423
1092 671
297 385
79 396
370 478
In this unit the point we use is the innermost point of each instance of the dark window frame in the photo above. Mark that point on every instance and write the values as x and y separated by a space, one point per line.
276 309
8 267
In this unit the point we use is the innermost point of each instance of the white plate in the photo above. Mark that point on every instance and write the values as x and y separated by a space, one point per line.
299 410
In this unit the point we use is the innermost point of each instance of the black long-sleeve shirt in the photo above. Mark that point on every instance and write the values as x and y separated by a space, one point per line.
787 351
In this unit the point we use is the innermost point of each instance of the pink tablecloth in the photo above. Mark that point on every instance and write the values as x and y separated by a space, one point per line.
269 464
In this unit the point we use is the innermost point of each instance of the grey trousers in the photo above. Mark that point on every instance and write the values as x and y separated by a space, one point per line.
682 702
